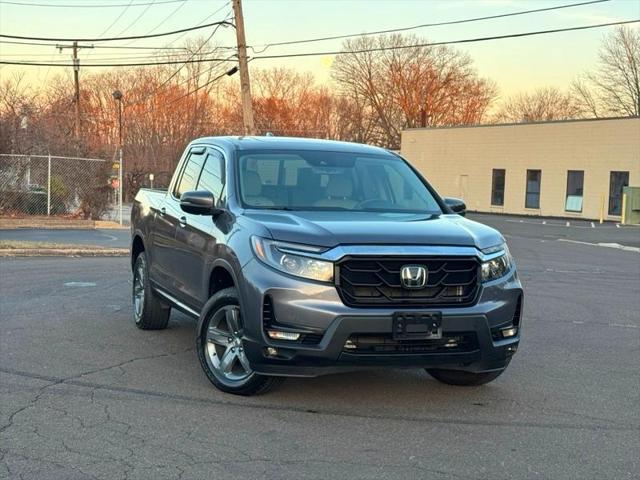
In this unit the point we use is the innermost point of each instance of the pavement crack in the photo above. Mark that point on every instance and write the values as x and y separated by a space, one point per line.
126 362
58 381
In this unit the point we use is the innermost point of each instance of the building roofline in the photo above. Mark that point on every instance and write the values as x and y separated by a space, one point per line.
517 124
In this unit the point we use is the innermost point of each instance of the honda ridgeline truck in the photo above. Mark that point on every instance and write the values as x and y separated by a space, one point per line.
303 257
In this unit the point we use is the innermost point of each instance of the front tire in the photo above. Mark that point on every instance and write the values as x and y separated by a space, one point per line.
461 378
149 312
221 351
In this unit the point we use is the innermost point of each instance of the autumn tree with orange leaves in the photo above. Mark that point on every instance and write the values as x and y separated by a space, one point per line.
397 84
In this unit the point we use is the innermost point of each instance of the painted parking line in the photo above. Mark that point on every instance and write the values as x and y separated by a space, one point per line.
617 246
617 325
544 222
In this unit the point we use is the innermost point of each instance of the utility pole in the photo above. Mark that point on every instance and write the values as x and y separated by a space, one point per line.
76 83
245 84
117 95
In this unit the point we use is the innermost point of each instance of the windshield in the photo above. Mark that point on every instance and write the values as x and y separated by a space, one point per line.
317 180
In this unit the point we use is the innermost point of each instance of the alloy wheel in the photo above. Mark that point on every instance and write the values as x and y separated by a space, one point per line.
138 290
224 350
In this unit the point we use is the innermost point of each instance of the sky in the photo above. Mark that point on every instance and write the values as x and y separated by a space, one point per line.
515 64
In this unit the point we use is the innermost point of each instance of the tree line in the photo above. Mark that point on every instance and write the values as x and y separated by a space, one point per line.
376 91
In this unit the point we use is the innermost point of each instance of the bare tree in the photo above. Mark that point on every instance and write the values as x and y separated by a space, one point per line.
614 87
544 104
403 84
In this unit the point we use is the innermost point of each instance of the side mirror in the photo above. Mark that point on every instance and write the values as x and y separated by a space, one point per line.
456 205
199 203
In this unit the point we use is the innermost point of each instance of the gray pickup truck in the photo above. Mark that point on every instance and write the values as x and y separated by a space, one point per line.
303 257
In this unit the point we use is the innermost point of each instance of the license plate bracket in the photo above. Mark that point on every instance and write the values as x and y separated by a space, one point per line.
417 325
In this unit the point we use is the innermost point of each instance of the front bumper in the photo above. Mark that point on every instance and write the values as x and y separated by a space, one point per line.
318 310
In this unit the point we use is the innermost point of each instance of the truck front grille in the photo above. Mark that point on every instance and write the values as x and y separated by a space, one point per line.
376 282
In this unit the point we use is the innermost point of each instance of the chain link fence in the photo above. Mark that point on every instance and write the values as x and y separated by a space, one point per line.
51 185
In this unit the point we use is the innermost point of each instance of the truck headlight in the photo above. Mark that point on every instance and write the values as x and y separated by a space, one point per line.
497 267
289 258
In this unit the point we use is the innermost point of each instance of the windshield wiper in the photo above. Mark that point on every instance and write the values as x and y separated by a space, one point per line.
285 209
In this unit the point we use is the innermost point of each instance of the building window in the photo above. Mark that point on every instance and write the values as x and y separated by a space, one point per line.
497 187
532 200
575 186
617 181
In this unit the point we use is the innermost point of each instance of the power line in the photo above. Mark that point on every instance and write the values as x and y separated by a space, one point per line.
117 18
38 44
91 5
137 18
134 37
170 77
228 73
424 25
197 25
339 52
169 62
173 12
450 42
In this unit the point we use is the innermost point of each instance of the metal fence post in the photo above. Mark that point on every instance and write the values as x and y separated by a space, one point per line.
49 185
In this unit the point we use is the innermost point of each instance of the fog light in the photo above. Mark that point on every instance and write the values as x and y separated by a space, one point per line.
278 335
451 343
509 332
350 345
272 352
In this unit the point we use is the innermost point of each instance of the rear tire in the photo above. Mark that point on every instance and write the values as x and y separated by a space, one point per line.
149 312
463 379
221 350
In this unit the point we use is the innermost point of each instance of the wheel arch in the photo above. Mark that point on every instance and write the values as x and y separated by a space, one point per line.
221 275
137 247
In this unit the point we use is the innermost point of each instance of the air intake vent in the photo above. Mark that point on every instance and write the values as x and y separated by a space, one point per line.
268 317
518 312
269 322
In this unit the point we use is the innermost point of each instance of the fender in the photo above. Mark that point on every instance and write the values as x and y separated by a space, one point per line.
223 263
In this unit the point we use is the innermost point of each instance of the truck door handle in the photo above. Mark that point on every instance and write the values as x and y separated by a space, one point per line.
183 221
163 210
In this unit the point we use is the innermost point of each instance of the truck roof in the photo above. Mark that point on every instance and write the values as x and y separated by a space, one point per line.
287 143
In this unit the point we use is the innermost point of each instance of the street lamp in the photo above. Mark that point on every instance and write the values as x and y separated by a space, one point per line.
117 95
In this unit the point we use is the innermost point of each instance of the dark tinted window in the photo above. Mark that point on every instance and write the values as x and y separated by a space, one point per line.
190 174
575 187
617 181
532 199
211 176
497 187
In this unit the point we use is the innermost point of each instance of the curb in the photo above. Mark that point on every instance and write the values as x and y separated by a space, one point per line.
57 224
64 252
109 225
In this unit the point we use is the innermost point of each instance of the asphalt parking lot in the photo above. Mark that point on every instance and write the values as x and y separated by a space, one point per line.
84 394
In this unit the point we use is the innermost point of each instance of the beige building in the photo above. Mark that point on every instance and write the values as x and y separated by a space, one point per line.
559 169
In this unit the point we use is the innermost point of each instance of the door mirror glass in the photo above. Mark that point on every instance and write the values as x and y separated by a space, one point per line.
456 205
200 202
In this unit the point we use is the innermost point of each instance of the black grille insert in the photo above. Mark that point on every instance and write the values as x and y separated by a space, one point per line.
375 282
384 343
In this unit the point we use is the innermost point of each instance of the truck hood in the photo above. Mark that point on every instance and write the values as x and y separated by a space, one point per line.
330 229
